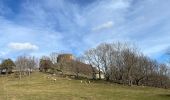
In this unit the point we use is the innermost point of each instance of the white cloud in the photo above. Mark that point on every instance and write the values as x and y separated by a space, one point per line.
106 25
22 46
64 25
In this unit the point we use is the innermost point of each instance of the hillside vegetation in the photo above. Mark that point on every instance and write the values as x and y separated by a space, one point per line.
39 87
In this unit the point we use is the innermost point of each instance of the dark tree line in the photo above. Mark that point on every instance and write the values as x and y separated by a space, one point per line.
123 63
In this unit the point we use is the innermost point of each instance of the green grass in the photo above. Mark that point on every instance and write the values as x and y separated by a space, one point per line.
39 87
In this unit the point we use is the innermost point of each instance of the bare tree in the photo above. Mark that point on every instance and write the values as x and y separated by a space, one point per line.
104 51
31 64
20 65
25 65
123 63
140 70
53 57
117 70
93 58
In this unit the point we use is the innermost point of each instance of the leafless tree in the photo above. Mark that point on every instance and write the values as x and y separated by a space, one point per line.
25 65
53 57
31 64
20 65
124 63
117 70
105 55
93 57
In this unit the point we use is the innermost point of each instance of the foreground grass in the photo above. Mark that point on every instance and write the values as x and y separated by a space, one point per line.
38 87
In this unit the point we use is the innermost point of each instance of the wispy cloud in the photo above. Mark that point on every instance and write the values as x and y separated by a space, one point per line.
106 25
74 26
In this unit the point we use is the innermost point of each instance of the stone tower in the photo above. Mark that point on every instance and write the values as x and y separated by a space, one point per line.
65 58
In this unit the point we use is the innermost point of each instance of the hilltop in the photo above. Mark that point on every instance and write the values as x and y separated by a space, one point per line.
39 87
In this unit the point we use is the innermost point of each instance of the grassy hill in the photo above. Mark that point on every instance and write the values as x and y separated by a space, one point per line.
39 87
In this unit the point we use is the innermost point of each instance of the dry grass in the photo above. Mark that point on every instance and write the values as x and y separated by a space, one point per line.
39 87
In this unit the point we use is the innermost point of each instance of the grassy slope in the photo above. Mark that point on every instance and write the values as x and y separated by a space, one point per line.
38 87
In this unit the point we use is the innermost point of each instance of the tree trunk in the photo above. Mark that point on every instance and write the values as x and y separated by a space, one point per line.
99 74
129 80
137 82
77 75
20 74
107 77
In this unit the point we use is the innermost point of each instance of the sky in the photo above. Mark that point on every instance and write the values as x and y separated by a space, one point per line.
39 27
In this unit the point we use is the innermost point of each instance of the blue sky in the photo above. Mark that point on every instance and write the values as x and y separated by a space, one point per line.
38 27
